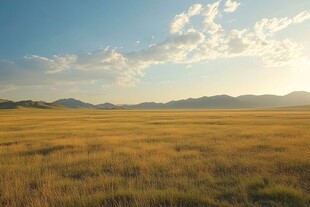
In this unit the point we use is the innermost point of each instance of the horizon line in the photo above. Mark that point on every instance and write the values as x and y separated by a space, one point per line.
157 102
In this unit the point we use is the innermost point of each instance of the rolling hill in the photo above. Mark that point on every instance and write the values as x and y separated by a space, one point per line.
73 103
298 98
229 102
3 100
267 101
27 104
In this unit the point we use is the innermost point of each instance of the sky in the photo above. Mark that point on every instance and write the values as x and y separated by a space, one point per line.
127 52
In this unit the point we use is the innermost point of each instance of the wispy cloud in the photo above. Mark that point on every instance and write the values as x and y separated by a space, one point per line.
185 44
231 6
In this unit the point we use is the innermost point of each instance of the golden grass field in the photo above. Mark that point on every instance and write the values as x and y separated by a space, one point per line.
154 158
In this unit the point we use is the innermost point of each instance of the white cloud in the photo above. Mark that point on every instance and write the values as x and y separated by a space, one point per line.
195 10
60 63
302 16
267 27
186 44
180 20
209 25
231 6
178 23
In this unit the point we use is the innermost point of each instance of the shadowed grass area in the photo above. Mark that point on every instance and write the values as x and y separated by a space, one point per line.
154 158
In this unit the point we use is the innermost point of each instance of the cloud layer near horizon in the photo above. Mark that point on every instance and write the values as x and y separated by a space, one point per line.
186 43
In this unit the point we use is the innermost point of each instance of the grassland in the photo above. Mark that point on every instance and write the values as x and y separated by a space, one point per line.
154 158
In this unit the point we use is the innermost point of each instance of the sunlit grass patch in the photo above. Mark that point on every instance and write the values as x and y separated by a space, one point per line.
154 158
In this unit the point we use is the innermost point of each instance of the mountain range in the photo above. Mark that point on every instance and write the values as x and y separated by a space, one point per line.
298 98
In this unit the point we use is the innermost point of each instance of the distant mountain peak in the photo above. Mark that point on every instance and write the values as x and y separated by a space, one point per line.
298 93
73 103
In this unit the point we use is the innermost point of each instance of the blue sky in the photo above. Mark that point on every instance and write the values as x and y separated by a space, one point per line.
133 51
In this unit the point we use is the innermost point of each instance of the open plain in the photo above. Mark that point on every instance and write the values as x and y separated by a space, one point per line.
77 157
